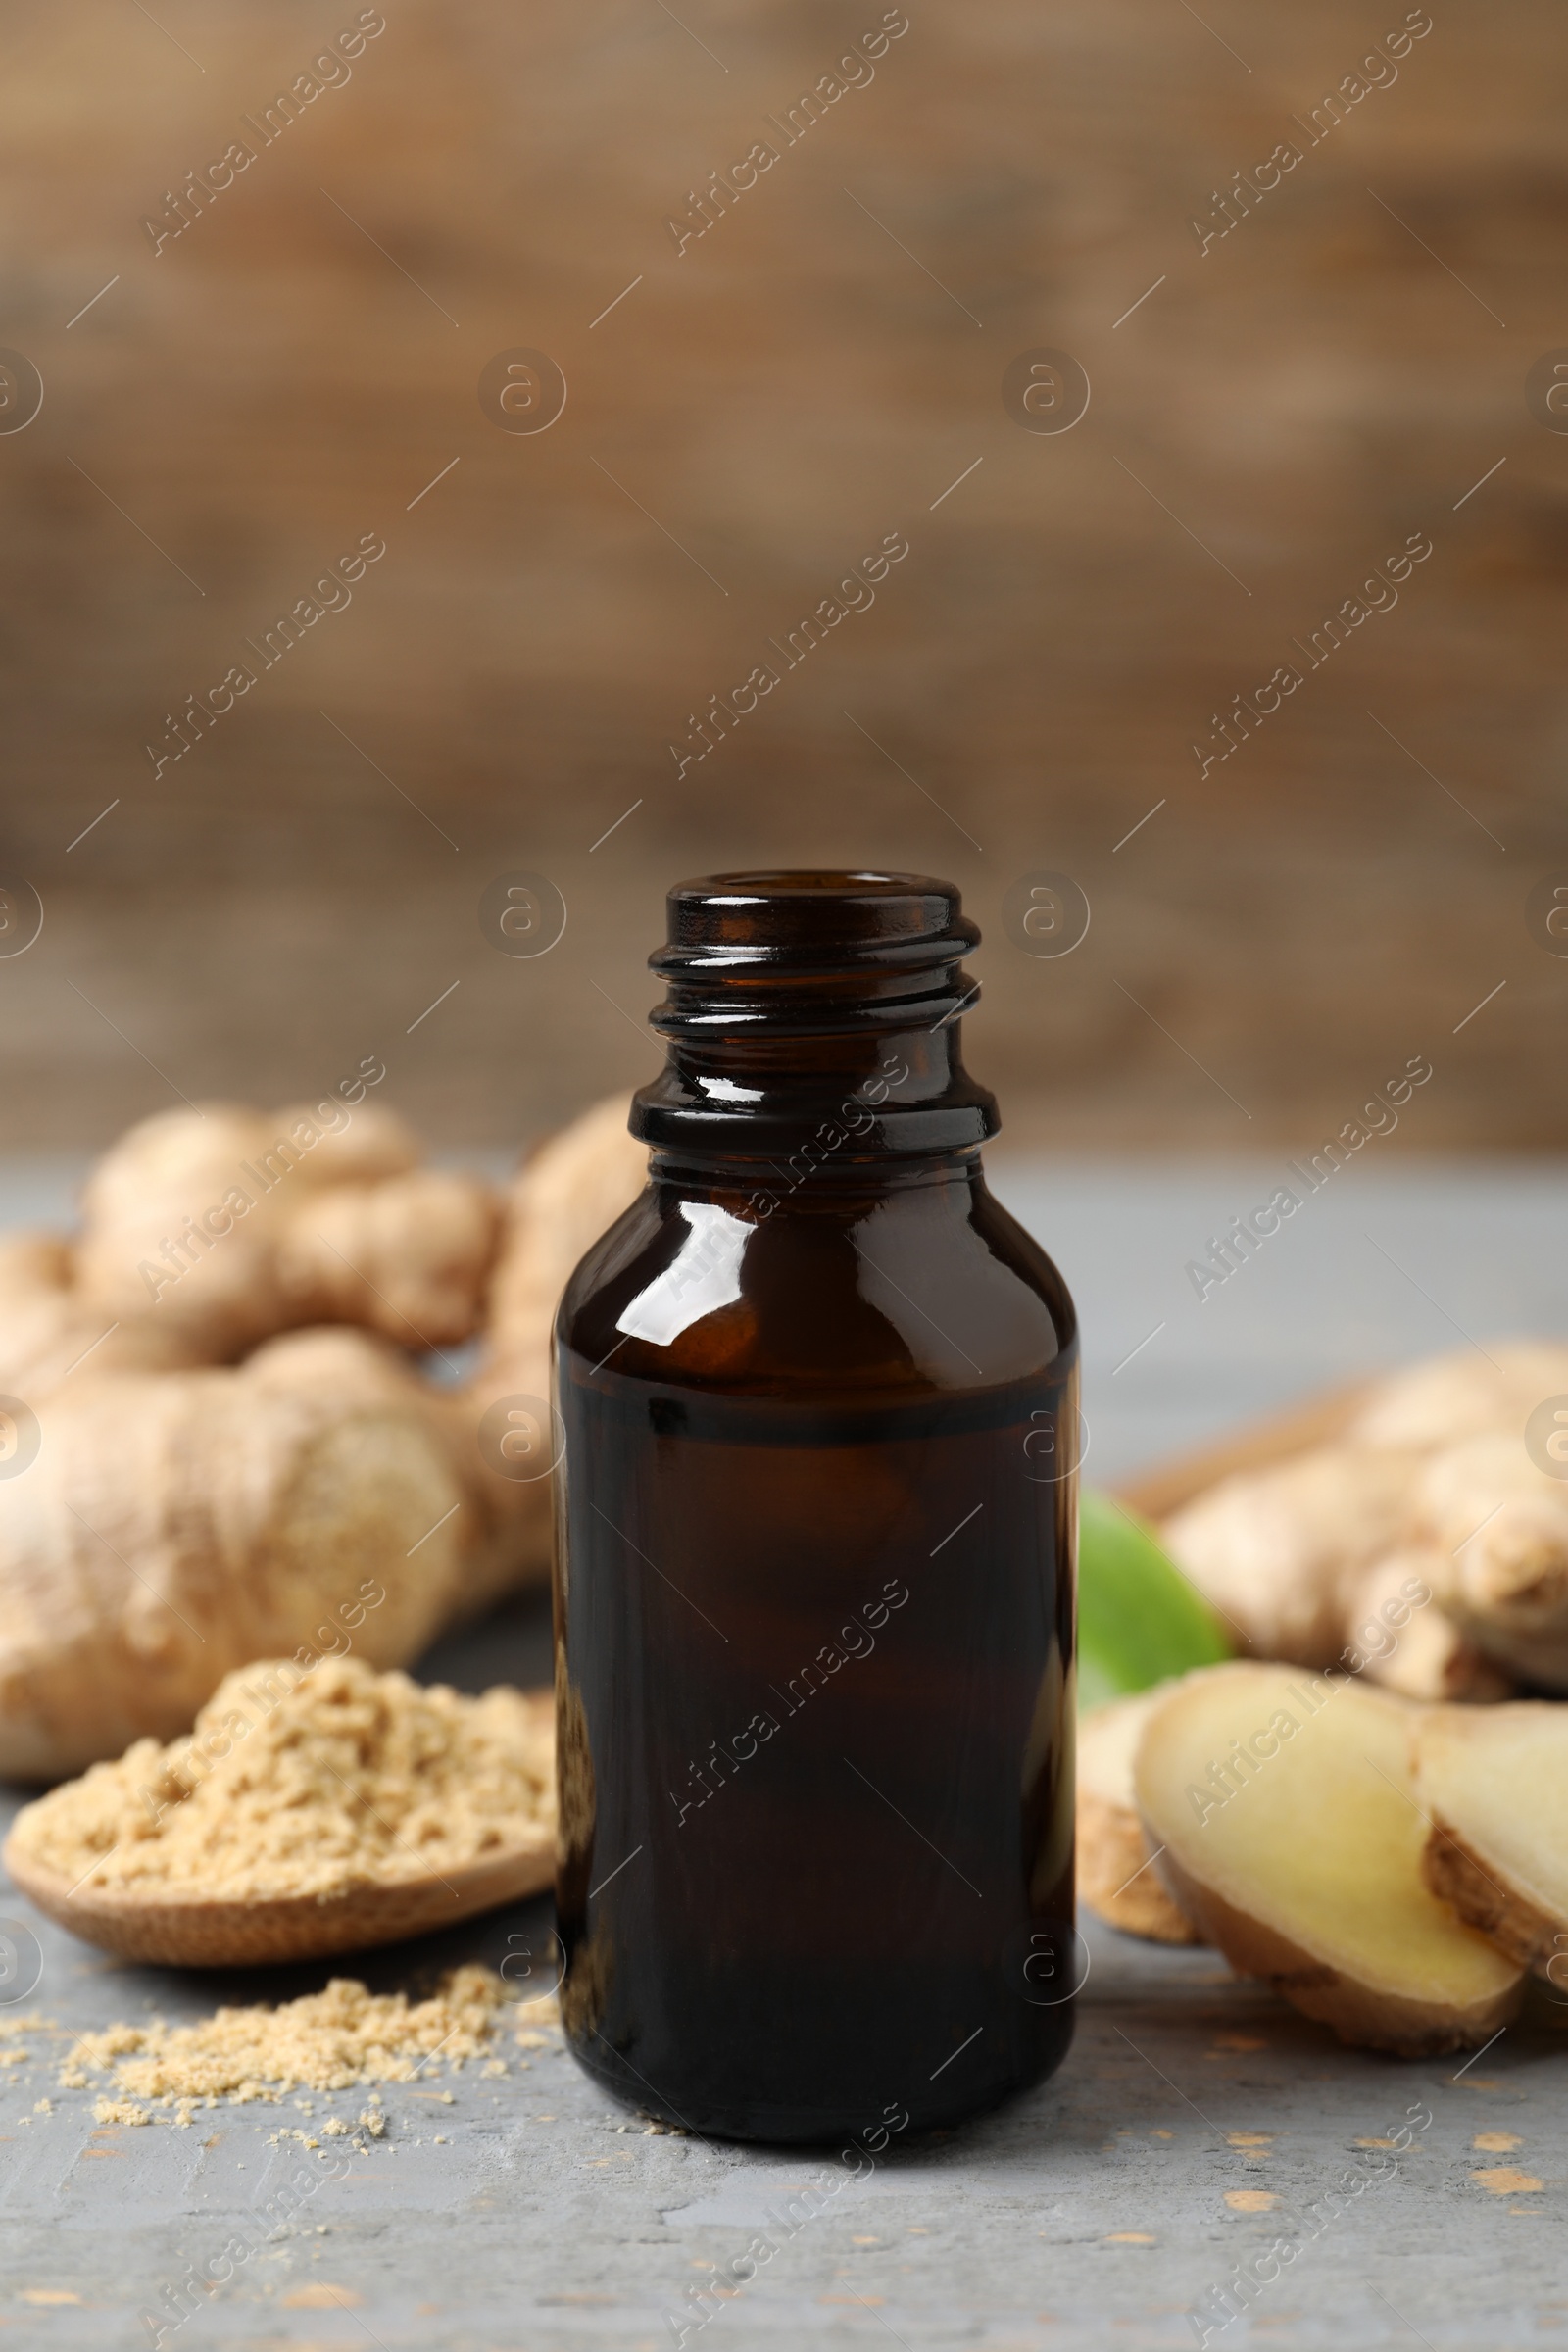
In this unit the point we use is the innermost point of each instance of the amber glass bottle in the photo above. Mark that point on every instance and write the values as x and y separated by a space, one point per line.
816 1528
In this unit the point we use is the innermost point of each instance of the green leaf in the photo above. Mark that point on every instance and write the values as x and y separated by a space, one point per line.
1138 1619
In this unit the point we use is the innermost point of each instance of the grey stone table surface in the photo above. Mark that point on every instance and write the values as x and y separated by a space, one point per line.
1197 2123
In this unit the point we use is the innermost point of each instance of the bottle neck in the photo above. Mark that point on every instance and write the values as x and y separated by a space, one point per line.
813 1012
816 1174
817 1179
903 1092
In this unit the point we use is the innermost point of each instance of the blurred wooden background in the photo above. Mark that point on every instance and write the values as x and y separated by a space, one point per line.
757 411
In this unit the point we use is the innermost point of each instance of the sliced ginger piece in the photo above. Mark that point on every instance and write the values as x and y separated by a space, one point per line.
1292 1838
1115 1876
1494 1783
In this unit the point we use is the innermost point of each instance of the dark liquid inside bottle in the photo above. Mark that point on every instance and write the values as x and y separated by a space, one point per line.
815 1602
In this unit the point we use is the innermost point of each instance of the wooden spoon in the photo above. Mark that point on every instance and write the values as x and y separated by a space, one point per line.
199 1930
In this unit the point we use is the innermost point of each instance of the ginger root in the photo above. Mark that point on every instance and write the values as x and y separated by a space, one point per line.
1430 1489
1286 1810
224 1226
173 1515
1451 1398
1277 1551
175 1525
48 1332
1497 1534
567 1194
1401 1638
571 1191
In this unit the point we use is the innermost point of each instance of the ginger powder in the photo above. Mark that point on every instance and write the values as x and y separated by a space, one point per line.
306 1783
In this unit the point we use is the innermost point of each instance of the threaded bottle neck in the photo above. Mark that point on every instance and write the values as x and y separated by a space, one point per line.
794 997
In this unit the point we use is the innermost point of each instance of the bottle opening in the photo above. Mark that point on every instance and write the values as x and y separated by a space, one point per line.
750 947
